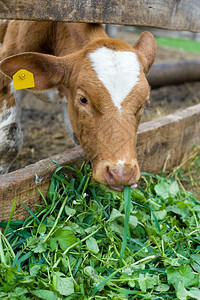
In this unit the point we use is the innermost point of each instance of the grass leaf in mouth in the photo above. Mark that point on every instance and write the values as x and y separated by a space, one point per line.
127 205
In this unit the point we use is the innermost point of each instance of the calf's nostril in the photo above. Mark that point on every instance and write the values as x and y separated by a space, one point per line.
109 176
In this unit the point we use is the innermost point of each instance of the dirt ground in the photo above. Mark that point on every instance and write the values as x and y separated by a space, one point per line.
44 130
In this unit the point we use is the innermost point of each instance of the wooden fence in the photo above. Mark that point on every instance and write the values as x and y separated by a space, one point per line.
166 14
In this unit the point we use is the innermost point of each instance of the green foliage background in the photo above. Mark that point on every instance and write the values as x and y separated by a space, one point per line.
178 43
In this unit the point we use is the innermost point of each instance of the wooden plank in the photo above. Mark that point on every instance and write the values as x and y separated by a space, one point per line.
161 141
171 14
166 140
23 183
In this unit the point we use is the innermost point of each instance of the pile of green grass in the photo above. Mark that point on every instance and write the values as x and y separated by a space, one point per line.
78 245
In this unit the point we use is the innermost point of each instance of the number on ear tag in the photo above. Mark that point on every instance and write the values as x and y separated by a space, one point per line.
23 79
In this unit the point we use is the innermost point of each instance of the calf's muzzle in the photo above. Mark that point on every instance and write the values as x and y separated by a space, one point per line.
115 177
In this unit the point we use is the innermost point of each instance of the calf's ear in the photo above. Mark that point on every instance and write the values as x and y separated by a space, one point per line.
48 71
146 46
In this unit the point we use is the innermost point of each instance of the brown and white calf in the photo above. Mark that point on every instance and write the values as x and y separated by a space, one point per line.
102 79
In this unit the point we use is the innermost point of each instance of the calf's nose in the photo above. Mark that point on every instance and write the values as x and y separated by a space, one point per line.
126 176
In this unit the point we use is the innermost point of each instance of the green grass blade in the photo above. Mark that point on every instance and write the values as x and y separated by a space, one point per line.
10 217
63 180
127 203
42 196
16 259
31 213
2 256
101 285
56 221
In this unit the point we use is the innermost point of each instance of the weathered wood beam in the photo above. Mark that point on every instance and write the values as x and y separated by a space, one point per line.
171 14
160 142
166 140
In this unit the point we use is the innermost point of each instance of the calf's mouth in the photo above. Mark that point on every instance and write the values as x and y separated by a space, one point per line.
120 188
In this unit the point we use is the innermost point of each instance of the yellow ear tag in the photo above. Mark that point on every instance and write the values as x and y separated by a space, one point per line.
23 79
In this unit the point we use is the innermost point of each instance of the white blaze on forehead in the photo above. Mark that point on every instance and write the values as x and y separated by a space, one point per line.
118 71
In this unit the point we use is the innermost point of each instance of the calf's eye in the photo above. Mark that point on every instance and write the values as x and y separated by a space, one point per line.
83 101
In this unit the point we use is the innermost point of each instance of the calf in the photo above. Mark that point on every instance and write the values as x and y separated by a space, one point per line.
102 79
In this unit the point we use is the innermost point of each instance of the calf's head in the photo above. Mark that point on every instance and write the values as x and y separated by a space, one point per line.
106 88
